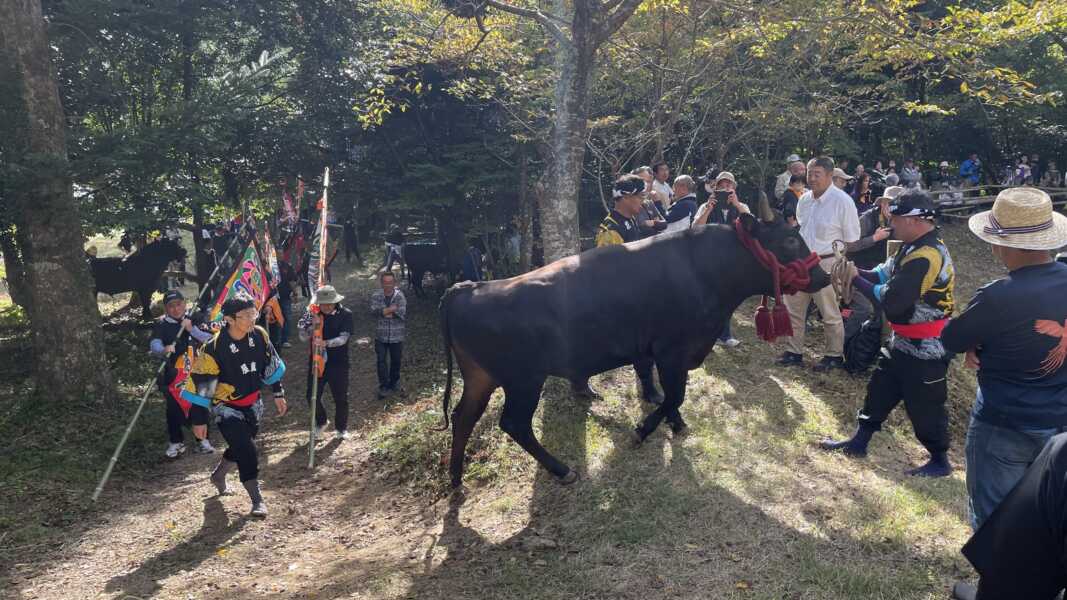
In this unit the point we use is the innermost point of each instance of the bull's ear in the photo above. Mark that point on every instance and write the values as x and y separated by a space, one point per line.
750 223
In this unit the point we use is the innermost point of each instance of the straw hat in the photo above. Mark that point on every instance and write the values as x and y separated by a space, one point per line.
1023 218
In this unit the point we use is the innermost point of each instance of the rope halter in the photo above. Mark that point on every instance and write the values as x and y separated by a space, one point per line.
789 278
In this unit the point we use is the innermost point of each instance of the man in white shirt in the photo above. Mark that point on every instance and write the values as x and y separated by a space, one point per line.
661 193
825 213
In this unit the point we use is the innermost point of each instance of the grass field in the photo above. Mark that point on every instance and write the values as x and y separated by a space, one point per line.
743 506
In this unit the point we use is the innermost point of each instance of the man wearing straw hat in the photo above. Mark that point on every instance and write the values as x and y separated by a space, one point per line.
914 289
1014 332
336 329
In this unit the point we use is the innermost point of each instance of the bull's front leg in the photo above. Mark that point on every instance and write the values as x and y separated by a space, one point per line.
673 377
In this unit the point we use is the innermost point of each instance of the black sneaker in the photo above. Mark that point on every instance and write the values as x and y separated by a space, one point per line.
829 363
791 359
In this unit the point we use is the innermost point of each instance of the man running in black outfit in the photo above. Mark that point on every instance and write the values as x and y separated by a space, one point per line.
228 373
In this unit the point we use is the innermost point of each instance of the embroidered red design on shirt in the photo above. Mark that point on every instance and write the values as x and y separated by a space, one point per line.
1056 356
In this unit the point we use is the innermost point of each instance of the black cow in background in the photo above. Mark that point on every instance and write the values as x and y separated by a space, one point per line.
674 293
139 272
427 257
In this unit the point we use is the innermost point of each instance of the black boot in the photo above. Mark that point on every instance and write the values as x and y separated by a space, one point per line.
259 508
218 476
649 392
937 466
856 446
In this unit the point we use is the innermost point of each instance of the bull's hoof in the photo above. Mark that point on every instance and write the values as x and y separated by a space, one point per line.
569 478
637 437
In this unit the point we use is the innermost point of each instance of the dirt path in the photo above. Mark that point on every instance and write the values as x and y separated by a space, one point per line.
170 536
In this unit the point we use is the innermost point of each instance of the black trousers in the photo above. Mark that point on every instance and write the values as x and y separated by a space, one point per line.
336 377
176 419
921 384
240 436
389 357
1019 550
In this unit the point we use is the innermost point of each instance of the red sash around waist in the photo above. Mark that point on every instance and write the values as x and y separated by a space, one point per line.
920 331
245 401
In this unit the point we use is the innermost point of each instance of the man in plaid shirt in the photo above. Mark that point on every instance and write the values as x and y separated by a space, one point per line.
390 306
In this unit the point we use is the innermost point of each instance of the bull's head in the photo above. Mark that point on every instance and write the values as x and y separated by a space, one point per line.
171 249
778 237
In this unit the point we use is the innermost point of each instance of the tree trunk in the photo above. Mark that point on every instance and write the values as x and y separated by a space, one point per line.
69 359
575 63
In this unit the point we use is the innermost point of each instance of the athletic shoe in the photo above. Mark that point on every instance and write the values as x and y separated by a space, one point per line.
204 447
259 510
384 393
175 450
343 435
320 429
731 343
287 345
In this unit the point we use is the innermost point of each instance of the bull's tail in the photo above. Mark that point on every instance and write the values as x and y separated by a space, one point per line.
446 333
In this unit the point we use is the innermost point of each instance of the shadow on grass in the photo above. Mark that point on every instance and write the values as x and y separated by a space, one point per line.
650 523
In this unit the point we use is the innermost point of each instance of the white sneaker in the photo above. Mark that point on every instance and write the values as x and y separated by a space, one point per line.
344 435
287 345
731 343
175 450
320 430
204 447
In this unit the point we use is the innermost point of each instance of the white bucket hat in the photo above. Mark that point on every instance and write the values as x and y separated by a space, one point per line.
1023 218
326 295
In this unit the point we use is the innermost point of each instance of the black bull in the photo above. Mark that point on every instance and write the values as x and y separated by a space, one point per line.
667 298
138 272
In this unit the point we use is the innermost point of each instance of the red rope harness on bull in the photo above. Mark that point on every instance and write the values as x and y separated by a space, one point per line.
790 278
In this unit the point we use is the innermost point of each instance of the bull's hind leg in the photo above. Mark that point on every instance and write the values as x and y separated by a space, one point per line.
478 386
520 403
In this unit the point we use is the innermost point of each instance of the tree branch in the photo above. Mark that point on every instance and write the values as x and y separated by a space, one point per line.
543 19
615 20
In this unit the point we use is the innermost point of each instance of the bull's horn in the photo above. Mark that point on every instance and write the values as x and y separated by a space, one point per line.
765 213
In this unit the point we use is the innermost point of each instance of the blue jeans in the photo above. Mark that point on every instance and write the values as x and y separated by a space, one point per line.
997 458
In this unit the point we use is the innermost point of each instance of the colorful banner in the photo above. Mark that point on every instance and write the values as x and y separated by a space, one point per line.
272 258
248 277
318 248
